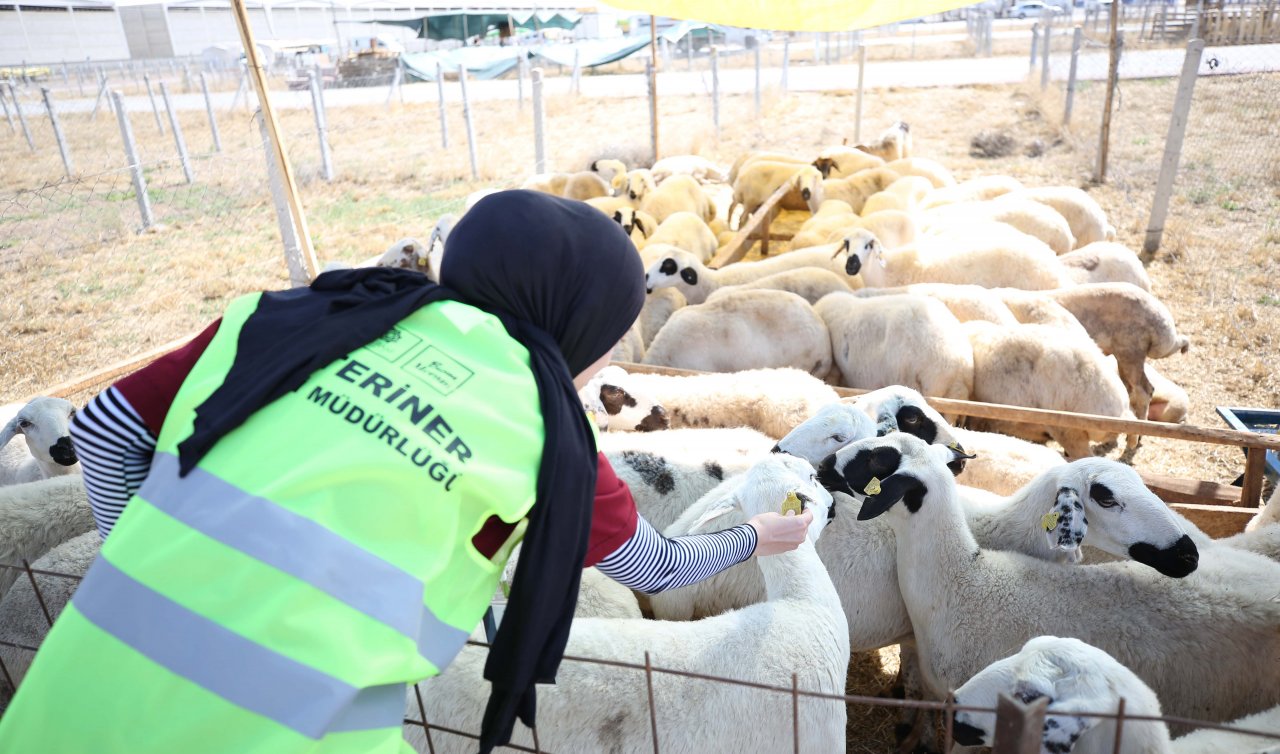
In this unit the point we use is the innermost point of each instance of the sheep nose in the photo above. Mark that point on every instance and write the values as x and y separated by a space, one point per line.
853 265
777 448
1176 561
63 452
831 479
657 419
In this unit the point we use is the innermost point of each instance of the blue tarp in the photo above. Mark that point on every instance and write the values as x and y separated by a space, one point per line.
592 52
492 62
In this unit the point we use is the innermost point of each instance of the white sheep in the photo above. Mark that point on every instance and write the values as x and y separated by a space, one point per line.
898 340
700 168
992 255
612 171
668 470
682 270
1207 643
978 189
746 158
631 347
894 143
1105 262
751 329
905 194
636 223
800 629
966 302
1270 513
841 161
1033 218
1079 679
679 193
1169 402
809 283
37 516
935 171
772 401
1087 219
621 404
685 230
757 181
892 227
44 449
658 307
581 185
609 205
1041 367
854 190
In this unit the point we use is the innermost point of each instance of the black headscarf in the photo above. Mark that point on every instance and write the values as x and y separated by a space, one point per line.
566 283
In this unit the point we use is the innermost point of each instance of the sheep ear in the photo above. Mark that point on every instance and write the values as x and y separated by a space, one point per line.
1065 526
8 432
639 223
897 487
719 510
689 275
1062 731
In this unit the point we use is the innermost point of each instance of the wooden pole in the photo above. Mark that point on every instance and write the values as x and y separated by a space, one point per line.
277 140
1113 74
1172 149
653 83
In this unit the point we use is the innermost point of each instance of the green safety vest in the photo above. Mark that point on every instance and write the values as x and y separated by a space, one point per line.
280 596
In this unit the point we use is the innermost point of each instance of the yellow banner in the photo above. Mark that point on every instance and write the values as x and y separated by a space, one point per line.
795 15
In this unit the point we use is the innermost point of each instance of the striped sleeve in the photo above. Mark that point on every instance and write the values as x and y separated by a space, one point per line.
115 448
649 562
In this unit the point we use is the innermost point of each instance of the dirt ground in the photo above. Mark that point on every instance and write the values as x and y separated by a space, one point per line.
85 291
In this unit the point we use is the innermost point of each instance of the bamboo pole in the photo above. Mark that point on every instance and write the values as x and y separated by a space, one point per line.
277 141
653 83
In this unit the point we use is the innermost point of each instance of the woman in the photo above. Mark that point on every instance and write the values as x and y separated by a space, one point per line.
323 487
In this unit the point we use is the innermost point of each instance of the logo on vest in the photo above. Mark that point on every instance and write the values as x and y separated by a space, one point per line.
393 344
438 370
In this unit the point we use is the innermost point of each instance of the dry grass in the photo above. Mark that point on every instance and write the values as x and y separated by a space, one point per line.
86 291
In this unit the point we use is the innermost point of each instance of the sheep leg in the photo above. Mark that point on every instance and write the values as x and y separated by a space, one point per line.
1075 442
1134 376
914 729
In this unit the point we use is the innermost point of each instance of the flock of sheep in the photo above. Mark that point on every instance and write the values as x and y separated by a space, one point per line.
973 549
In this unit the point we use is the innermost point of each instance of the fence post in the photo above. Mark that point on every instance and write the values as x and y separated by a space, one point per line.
177 133
1113 75
520 64
786 63
22 119
288 233
862 69
155 110
57 131
715 89
651 77
444 114
1172 148
135 166
208 106
322 126
688 48
102 94
395 85
539 134
1077 38
1035 42
186 77
817 48
1019 727
576 82
5 104
757 49
466 118
1047 45
240 89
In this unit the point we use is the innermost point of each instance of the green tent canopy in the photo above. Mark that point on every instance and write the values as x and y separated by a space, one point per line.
465 25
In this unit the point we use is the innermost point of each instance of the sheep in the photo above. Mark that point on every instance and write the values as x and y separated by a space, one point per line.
757 181
1036 366
612 171
631 347
582 185
700 168
750 329
771 401
1034 308
937 174
747 158
809 283
408 254
685 230
1079 679
1270 513
1105 262
682 270
1087 220
800 629
611 204
853 190
37 516
898 340
842 161
894 143
679 193
1128 323
1004 464
45 449
905 194
637 224
978 189
22 614
598 595
658 307
966 302
619 404
992 255
1169 402
832 213
1033 218
668 470
1207 643
893 228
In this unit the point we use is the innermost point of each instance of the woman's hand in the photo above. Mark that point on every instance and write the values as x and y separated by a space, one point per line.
776 533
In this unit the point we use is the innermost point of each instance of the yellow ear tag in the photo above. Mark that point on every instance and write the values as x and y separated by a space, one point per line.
792 504
422 261
591 417
953 445
872 488
1050 520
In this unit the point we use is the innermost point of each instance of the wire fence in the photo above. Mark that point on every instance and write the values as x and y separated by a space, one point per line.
1017 728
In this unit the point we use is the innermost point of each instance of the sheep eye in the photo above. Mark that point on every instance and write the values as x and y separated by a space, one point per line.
839 438
25 423
1103 496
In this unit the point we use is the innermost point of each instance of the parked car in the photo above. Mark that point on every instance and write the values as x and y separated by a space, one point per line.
1032 9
